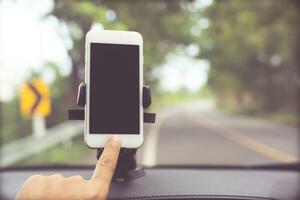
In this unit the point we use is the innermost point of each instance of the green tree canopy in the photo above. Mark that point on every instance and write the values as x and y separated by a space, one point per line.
163 24
250 46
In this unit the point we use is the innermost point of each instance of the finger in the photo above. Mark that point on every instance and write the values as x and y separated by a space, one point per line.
56 176
107 162
76 177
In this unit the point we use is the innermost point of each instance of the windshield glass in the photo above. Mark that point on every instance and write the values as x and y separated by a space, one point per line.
223 77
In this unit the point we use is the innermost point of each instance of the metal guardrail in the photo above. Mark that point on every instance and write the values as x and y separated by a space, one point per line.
23 148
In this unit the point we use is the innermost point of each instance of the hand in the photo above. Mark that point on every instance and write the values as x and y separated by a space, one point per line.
57 187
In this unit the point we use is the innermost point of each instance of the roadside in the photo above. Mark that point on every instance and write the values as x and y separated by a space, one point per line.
200 134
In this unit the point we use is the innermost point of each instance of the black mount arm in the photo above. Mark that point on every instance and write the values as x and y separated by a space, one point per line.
126 165
78 114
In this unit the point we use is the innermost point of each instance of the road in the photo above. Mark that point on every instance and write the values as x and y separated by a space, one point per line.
198 134
191 134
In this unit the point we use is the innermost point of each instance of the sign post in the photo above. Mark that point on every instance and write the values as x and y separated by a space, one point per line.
35 103
38 126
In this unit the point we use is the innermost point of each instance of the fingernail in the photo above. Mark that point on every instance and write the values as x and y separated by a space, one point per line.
116 138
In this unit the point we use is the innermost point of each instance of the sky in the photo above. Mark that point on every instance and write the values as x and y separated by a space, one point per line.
182 71
28 41
29 38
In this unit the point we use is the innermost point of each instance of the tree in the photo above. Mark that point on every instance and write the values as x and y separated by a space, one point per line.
164 25
249 45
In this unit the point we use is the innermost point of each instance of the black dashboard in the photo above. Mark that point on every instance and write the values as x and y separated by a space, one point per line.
178 183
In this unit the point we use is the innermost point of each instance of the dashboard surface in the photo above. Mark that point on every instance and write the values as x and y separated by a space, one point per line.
174 183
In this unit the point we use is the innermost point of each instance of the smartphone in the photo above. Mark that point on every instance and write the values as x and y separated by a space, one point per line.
114 80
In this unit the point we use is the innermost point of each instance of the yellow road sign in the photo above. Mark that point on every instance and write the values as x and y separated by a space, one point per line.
35 98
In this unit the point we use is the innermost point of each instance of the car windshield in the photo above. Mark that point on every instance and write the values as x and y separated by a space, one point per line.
223 76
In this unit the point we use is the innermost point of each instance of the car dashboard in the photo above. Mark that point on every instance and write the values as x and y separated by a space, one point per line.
160 183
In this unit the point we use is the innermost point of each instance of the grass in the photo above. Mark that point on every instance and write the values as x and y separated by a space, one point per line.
167 99
285 118
72 153
280 117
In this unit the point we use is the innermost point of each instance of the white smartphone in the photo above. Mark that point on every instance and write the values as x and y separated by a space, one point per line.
114 85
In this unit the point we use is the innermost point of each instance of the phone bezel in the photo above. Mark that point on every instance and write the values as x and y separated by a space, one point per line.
112 37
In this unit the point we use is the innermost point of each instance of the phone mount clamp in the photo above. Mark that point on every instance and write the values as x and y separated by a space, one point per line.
126 168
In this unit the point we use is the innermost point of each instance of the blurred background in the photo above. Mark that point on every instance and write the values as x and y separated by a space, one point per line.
224 77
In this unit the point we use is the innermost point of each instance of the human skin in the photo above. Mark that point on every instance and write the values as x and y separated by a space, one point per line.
75 187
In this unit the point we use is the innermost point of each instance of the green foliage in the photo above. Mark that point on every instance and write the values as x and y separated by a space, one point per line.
163 24
13 126
60 154
249 44
250 49
59 92
183 96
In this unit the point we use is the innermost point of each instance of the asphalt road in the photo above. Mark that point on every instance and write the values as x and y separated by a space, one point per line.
198 134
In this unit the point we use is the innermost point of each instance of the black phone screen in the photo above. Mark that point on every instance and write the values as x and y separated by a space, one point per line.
114 89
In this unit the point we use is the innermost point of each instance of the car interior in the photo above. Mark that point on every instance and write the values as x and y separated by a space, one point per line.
221 120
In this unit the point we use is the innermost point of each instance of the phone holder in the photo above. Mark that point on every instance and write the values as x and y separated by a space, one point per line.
126 168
